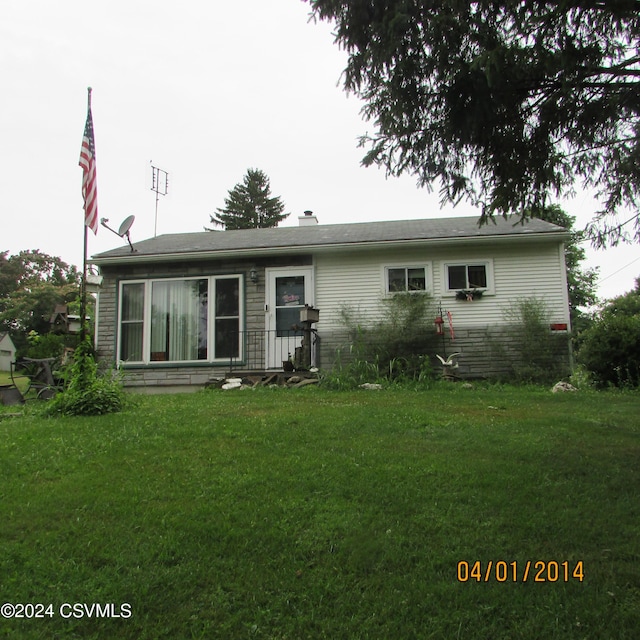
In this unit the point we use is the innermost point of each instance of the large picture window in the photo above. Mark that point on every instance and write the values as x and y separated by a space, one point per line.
171 320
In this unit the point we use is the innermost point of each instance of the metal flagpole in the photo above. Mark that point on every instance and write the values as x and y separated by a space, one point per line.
83 290
83 284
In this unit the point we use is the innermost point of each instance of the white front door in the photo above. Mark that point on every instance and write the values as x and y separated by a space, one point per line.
288 290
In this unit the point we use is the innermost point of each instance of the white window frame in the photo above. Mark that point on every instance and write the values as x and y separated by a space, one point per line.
428 288
487 263
146 321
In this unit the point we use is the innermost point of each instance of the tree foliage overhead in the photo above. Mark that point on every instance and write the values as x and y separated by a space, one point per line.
503 103
250 205
31 285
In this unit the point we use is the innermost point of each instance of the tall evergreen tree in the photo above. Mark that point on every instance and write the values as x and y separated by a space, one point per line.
250 205
503 103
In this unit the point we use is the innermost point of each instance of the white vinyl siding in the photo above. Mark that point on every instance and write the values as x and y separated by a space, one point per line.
534 272
351 282
356 281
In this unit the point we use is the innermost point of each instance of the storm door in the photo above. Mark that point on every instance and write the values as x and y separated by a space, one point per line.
288 291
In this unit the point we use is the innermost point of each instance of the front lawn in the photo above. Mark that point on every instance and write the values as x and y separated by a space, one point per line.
315 514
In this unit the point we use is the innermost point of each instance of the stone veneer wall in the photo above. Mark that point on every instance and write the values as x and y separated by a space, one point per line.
485 352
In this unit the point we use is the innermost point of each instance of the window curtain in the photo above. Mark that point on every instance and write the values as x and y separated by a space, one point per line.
132 322
175 320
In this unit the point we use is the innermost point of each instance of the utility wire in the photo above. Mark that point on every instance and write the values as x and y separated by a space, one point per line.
586 237
618 271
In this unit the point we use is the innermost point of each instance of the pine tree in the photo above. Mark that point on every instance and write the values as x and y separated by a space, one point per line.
250 205
504 103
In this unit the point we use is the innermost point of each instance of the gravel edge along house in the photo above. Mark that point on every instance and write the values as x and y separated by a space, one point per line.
181 309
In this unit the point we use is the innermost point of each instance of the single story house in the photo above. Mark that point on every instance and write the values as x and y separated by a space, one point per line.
7 351
179 309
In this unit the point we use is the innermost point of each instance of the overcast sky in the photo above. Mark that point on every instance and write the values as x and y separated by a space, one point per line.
204 91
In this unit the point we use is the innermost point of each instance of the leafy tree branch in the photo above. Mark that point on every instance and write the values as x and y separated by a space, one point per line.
505 104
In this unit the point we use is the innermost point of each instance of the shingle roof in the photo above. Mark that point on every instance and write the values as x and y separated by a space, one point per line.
307 238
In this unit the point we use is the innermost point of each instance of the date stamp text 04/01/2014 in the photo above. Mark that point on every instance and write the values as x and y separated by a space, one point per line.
529 571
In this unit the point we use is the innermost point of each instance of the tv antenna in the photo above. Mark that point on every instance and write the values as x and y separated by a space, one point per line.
123 229
160 186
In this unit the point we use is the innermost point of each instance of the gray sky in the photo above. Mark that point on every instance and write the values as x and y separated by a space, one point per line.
204 91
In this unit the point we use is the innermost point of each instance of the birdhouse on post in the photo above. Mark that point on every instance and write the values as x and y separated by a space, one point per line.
308 316
62 322
58 320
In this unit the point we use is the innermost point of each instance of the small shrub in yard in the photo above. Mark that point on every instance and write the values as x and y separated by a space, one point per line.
88 393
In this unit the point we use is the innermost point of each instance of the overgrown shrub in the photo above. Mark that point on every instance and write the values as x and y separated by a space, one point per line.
528 347
88 393
610 350
610 347
393 350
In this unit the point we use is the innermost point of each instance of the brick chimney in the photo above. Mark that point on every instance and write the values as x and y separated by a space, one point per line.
307 220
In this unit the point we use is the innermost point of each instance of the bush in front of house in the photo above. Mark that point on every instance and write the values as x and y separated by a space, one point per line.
392 350
88 393
531 352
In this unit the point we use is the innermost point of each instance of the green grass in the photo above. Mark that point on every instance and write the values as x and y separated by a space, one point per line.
315 514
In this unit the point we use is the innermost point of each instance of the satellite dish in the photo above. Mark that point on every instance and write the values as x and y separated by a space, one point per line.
125 226
123 230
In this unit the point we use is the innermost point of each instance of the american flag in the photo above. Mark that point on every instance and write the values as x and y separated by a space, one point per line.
89 183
